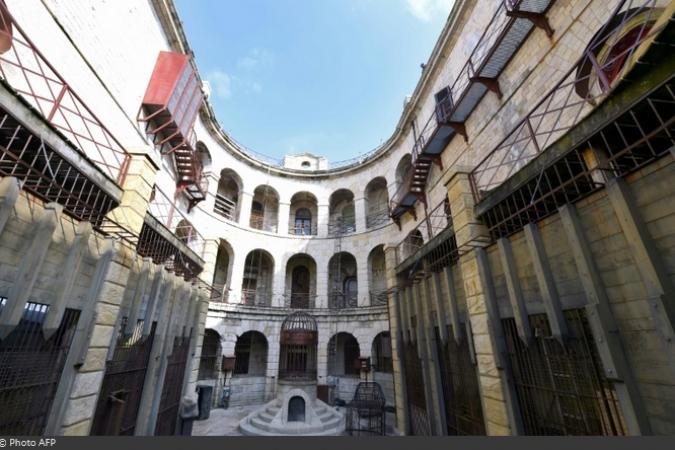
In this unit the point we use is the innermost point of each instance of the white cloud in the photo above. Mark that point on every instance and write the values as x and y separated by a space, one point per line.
425 10
256 58
221 83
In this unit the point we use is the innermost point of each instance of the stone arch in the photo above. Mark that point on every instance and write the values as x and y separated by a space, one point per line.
377 276
381 353
250 352
256 287
210 355
377 202
341 212
222 274
342 281
228 196
301 276
265 209
304 211
343 355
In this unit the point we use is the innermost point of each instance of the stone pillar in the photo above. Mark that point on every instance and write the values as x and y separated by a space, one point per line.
197 323
322 287
138 185
322 221
362 278
279 282
361 210
238 267
77 393
210 257
209 203
496 395
245 203
284 218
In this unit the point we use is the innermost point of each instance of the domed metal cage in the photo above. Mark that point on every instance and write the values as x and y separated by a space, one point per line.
366 412
298 346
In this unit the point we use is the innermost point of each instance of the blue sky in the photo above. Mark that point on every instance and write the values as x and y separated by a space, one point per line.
324 76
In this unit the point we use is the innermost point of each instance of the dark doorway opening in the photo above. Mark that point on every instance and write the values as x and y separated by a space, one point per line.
296 409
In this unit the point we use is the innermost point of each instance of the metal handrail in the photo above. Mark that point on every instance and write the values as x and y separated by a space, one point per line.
166 212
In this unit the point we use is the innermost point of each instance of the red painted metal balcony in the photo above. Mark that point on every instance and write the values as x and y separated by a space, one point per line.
586 84
169 109
50 138
510 25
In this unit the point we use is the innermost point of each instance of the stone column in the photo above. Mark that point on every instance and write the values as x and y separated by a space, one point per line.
322 287
81 380
209 203
284 218
238 267
279 281
210 257
138 185
497 397
395 331
361 210
363 279
322 221
245 203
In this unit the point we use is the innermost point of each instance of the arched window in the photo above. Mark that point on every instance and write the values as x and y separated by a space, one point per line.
303 222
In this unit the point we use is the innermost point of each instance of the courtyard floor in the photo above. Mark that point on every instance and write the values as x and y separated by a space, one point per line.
225 422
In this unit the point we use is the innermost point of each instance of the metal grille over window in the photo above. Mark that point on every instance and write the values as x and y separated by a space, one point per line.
461 394
208 360
31 369
120 395
562 390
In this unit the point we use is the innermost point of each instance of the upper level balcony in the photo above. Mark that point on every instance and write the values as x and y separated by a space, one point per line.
585 128
50 138
510 25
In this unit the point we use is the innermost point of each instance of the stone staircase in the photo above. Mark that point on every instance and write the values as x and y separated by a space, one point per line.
267 421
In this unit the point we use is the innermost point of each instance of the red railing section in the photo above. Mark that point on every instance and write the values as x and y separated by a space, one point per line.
584 86
31 75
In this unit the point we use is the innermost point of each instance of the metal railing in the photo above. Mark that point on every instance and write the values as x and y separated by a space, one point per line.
377 218
572 98
256 297
436 220
33 77
341 300
225 207
340 227
379 297
302 230
297 300
167 213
